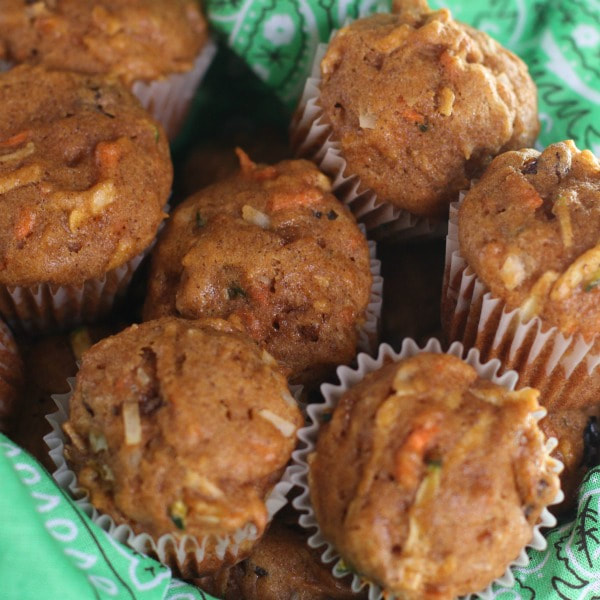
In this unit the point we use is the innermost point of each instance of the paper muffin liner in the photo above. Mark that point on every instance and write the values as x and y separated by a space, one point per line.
312 138
559 366
169 99
187 555
46 307
298 471
368 333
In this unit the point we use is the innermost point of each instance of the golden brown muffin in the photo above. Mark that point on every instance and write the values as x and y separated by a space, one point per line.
423 469
84 176
420 103
181 427
130 39
11 380
530 229
281 567
274 252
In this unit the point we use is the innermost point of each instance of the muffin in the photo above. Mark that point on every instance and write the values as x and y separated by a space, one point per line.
84 175
138 42
422 465
181 430
273 251
522 272
413 105
12 380
281 567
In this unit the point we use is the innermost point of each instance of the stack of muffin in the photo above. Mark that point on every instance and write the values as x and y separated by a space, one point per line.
181 427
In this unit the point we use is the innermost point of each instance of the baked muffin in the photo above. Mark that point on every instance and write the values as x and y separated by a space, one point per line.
281 567
84 176
136 41
274 252
424 468
11 380
528 230
182 428
417 104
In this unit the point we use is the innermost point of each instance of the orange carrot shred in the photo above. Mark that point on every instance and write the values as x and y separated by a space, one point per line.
24 225
246 163
412 115
108 154
17 139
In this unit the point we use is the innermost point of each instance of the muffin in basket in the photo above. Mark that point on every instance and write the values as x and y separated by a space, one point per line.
181 431
281 567
273 251
155 47
428 476
522 274
407 107
84 176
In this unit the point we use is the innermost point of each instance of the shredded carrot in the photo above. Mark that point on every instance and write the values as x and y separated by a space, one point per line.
108 154
289 200
246 164
17 139
414 116
409 457
24 224
250 168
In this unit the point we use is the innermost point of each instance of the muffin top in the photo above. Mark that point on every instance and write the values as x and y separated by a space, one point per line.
423 469
530 230
274 252
420 103
84 175
130 39
180 427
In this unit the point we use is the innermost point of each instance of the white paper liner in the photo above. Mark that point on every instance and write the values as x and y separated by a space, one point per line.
185 555
368 333
311 138
46 307
298 471
168 99
558 366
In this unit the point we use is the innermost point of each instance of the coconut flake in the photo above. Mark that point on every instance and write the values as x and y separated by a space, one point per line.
132 423
256 217
28 150
286 428
367 121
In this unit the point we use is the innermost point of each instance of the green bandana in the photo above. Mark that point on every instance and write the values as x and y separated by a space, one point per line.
559 40
50 549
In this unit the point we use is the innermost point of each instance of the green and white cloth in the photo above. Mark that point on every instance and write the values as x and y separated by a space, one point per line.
559 40
51 550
